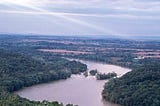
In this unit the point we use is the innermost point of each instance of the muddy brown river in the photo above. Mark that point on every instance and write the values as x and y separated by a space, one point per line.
78 90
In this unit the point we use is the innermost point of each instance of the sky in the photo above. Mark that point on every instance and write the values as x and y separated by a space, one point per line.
81 17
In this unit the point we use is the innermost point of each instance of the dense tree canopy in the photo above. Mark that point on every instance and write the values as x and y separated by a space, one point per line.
104 76
28 66
140 87
19 71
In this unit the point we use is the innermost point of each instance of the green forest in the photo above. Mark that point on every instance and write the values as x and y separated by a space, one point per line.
18 71
140 87
22 65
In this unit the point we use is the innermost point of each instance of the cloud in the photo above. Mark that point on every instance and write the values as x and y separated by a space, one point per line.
128 8
103 16
124 16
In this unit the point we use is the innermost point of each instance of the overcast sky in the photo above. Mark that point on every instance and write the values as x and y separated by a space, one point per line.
81 17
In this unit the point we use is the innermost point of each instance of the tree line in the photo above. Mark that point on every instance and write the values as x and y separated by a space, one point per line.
18 71
140 87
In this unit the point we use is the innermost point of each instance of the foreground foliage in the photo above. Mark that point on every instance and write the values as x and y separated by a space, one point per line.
134 89
140 87
19 71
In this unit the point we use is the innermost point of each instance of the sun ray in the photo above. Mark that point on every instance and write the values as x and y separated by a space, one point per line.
28 4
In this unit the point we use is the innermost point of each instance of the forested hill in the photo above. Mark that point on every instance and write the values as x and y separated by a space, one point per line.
140 87
19 71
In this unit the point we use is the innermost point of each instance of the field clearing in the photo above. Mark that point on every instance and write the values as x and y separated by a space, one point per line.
151 56
63 51
147 53
53 41
154 54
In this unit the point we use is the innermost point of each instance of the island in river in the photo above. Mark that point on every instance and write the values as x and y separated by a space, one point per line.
79 90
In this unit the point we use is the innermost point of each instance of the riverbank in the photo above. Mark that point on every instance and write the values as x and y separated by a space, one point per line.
18 71
140 87
80 90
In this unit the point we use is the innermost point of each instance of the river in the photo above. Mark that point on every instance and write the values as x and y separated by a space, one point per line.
79 90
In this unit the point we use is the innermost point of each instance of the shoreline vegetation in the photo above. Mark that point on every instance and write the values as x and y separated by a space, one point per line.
18 71
20 60
101 76
140 87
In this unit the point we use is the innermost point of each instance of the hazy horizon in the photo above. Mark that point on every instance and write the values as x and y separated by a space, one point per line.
127 18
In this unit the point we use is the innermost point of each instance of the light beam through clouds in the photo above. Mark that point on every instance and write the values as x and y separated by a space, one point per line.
28 4
105 17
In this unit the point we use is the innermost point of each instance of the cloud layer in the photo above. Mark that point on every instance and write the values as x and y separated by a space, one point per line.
84 17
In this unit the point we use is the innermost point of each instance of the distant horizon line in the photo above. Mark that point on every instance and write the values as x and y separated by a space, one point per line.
85 35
